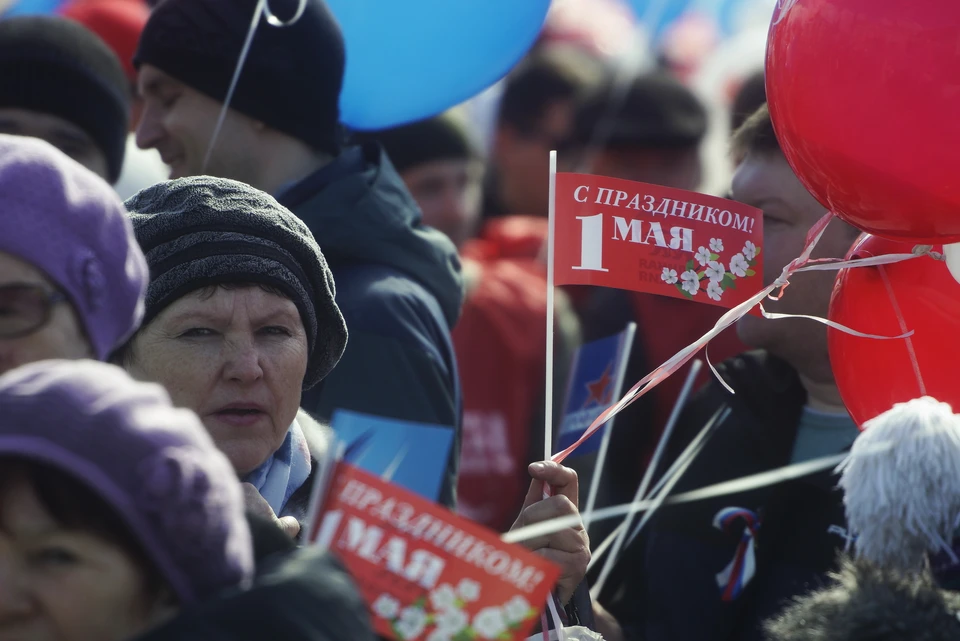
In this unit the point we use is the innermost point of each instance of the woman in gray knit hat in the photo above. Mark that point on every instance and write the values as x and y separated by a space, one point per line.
240 318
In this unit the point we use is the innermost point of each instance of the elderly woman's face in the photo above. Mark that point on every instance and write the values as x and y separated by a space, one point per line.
60 584
35 324
237 357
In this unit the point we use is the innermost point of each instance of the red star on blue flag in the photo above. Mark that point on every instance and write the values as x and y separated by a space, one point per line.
600 389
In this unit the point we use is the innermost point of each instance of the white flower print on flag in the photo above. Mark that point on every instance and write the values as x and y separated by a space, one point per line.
691 282
702 256
386 607
412 623
468 590
714 290
452 621
749 250
669 276
489 623
443 597
715 271
716 245
516 609
739 266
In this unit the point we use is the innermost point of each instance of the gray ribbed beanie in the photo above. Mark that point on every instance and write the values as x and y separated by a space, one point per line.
202 231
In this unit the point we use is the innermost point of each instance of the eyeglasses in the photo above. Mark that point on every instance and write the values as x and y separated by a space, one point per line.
26 308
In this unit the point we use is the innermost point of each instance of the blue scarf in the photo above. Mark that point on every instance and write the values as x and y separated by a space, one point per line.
283 473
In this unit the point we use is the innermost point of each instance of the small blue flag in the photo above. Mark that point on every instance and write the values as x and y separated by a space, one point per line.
596 378
412 455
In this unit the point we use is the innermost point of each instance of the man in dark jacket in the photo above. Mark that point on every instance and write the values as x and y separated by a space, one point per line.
399 283
689 574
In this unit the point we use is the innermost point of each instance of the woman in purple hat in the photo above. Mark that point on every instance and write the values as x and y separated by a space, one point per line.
72 277
116 509
120 517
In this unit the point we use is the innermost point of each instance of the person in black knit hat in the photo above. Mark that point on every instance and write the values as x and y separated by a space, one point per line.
399 282
62 83
285 105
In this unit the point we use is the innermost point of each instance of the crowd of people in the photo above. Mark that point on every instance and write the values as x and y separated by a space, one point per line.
191 287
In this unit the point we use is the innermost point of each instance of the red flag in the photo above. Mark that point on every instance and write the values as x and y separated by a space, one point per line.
425 572
647 238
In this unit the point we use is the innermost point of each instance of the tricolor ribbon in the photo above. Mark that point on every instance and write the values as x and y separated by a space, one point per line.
738 573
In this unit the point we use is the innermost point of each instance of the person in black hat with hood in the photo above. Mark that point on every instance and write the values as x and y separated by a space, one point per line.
399 282
60 82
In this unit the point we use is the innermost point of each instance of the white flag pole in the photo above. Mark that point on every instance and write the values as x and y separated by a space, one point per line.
548 383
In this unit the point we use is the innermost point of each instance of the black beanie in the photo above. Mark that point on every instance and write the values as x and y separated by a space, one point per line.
658 112
443 137
56 66
292 75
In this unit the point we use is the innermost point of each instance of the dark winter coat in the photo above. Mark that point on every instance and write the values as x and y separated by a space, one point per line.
399 287
300 594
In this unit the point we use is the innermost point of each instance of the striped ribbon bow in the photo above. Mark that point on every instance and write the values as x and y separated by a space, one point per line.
738 573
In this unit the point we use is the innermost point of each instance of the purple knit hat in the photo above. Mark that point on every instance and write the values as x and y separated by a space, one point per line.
69 223
155 465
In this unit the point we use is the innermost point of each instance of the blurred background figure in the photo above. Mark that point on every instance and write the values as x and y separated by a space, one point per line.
500 339
119 23
441 163
750 96
60 82
535 115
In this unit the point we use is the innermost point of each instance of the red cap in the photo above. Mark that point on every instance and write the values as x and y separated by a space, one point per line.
118 22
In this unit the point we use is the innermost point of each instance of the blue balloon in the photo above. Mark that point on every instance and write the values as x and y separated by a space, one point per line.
31 7
669 11
412 59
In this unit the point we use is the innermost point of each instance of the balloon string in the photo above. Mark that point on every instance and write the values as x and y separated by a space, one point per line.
911 352
723 488
837 326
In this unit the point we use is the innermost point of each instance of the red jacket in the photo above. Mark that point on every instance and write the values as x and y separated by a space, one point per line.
500 342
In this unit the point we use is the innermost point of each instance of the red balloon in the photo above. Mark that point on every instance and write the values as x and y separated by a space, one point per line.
889 300
864 96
